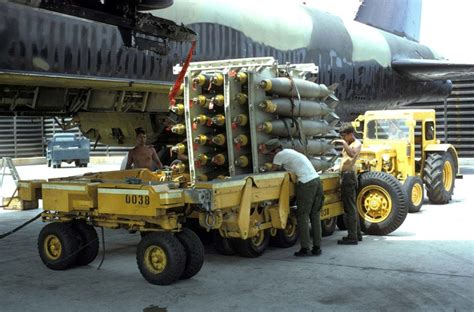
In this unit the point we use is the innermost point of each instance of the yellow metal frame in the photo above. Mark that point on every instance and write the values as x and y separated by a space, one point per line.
241 207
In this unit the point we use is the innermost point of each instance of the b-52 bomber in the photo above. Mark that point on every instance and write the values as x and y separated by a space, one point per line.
108 64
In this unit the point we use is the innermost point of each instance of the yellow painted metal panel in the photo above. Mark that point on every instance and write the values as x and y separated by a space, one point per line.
28 190
137 202
331 210
68 197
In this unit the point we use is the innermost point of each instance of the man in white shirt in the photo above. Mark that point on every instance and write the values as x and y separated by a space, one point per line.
309 194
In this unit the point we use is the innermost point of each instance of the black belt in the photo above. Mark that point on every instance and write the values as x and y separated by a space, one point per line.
347 172
312 180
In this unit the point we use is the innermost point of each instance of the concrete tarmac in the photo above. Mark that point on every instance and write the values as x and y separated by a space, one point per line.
426 265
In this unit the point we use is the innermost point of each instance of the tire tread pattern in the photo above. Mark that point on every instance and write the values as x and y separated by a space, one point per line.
433 178
245 247
175 254
69 245
89 246
399 202
194 252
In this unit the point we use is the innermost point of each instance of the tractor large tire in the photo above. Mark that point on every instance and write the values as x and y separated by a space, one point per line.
88 242
381 203
414 187
289 235
222 244
194 252
57 246
439 176
161 258
252 247
328 226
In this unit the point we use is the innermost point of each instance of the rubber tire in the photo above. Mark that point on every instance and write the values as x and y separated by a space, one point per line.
145 233
341 224
247 248
69 245
88 238
175 257
204 235
409 185
49 163
328 226
194 252
281 239
433 177
77 163
398 197
222 244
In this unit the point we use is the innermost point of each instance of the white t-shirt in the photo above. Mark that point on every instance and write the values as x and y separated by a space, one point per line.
296 162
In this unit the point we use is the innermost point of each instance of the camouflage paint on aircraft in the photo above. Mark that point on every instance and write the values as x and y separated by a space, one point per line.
356 56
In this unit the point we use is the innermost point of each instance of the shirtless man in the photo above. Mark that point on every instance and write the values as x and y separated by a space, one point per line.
350 153
143 156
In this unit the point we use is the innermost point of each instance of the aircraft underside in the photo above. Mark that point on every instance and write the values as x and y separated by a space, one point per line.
55 64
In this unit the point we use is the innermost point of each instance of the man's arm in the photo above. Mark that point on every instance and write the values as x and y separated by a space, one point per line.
129 160
275 167
182 156
159 165
351 151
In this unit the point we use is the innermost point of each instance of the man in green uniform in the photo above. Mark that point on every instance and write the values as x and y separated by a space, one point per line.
309 194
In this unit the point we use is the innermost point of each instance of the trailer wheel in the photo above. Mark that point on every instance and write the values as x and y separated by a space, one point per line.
77 163
57 246
414 187
381 203
88 242
221 244
194 252
439 177
252 247
328 226
161 258
204 235
49 163
289 235
341 224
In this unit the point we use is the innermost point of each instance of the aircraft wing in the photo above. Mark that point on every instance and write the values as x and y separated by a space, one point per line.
420 69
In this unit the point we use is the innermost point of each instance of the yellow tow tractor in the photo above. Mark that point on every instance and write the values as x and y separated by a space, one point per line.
400 157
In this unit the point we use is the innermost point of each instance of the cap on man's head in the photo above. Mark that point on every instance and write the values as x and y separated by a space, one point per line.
272 144
140 130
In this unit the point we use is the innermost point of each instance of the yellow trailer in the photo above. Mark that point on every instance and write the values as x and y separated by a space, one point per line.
248 210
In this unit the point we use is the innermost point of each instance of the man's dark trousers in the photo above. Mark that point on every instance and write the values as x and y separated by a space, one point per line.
309 200
348 195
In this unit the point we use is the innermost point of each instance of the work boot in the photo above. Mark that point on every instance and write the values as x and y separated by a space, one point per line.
347 241
316 251
303 252
359 238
